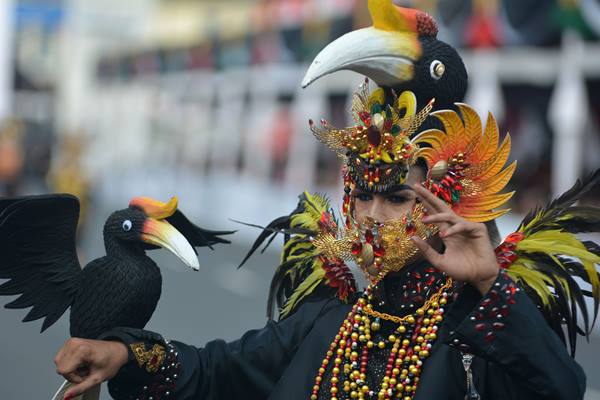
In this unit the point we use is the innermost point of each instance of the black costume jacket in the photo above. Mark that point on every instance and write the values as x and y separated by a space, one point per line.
516 355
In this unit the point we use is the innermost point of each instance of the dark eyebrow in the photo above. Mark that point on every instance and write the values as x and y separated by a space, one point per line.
397 188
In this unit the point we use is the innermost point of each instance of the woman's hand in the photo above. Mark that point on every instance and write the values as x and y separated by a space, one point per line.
87 363
469 255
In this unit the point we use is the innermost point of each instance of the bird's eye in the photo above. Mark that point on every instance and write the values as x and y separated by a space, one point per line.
437 69
126 225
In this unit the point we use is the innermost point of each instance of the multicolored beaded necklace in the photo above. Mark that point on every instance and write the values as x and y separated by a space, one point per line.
410 345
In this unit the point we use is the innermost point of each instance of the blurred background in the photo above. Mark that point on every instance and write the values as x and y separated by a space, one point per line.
201 99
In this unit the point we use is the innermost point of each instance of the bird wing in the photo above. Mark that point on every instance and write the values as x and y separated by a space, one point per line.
197 236
550 261
38 254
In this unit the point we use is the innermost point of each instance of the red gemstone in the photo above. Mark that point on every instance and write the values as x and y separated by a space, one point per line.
378 251
489 337
369 236
480 327
374 136
356 248
365 117
411 228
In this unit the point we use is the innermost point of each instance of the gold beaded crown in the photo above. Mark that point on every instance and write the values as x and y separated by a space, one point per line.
377 150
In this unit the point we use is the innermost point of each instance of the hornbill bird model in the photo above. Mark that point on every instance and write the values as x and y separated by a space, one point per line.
399 52
38 257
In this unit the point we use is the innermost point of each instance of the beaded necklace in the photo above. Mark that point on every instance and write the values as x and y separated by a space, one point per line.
410 345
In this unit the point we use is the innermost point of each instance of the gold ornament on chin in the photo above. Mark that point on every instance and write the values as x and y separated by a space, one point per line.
377 248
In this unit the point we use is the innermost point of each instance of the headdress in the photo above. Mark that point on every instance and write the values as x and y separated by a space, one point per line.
466 168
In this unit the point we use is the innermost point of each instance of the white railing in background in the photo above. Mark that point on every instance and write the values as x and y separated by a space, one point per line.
176 125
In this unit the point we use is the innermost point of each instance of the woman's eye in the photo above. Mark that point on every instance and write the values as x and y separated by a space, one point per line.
364 196
397 199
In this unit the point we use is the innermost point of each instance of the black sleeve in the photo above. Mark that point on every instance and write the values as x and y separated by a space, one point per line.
505 328
246 368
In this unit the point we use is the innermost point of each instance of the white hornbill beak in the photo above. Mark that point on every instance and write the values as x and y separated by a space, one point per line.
385 56
163 234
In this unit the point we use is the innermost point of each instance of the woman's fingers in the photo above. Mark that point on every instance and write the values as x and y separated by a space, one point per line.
428 252
433 203
460 227
89 382
448 217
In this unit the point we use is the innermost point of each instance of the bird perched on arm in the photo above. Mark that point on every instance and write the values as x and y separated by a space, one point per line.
121 289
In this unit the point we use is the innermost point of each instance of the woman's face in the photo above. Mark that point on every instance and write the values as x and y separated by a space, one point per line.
390 205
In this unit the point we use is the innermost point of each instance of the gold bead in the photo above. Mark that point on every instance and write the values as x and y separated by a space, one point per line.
333 390
432 336
381 345
370 344
417 348
365 389
420 339
401 329
443 301
405 342
392 338
375 326
420 311
395 371
336 370
353 394
410 319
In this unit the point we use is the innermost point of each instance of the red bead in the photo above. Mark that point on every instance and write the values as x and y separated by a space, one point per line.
480 327
498 326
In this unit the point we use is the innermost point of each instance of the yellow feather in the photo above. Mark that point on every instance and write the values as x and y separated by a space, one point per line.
482 216
304 289
472 123
496 183
488 202
452 126
488 145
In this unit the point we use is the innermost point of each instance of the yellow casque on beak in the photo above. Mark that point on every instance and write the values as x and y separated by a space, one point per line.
154 208
163 234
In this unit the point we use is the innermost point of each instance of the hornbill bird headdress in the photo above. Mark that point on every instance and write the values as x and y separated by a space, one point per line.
38 257
416 117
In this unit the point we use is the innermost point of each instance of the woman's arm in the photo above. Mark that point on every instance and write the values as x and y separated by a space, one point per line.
505 328
248 367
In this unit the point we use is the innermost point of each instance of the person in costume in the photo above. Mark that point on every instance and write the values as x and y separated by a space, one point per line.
446 314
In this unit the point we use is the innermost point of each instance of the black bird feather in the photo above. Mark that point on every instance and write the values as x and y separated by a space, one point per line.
38 258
